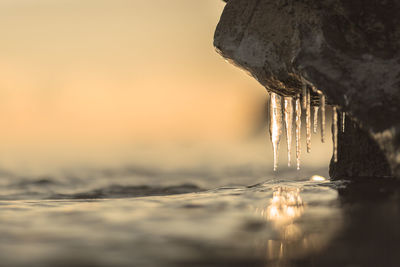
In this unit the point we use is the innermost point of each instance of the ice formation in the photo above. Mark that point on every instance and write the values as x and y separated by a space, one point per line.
275 125
288 111
322 103
335 132
304 94
343 121
282 110
316 109
308 121
298 131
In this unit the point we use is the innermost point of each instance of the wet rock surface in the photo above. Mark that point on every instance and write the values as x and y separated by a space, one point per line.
346 49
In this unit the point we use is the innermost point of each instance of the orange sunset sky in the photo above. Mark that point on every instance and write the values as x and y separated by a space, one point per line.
88 80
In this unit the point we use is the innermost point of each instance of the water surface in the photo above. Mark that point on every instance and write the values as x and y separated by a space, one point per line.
285 222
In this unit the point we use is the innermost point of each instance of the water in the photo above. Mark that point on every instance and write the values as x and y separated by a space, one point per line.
289 222
165 226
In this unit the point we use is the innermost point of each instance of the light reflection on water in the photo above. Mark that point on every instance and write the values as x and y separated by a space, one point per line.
286 206
318 178
276 223
295 238
204 228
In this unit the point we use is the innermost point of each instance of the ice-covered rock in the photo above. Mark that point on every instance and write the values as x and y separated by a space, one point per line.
349 50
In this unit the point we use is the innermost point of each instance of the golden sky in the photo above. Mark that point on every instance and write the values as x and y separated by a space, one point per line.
104 70
76 75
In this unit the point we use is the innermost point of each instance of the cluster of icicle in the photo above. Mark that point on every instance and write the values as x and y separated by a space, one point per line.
304 102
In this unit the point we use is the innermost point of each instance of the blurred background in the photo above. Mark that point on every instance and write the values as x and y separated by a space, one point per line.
109 84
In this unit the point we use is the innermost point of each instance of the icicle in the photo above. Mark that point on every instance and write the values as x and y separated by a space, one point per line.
343 121
308 121
316 108
322 103
298 131
275 125
335 133
304 93
289 125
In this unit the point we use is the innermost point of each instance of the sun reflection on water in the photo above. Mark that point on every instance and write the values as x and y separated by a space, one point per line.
299 229
317 178
284 208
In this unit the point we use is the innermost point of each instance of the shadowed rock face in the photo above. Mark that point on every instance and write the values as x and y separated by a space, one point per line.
347 49
370 161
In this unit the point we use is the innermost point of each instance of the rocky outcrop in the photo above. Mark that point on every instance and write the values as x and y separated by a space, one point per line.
347 49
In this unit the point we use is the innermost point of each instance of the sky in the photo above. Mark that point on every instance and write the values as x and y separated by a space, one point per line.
109 81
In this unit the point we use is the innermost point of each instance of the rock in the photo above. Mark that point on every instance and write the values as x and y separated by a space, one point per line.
347 49
371 160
